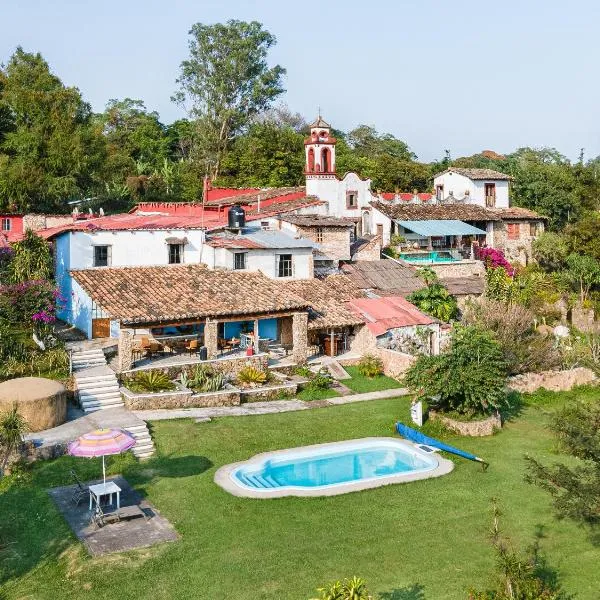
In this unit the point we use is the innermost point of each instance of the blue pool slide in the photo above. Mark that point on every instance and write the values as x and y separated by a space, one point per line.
419 438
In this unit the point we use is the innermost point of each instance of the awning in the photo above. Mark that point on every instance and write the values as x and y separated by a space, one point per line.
436 228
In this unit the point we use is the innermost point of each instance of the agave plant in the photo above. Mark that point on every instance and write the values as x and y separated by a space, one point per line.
150 381
205 379
183 379
250 375
349 589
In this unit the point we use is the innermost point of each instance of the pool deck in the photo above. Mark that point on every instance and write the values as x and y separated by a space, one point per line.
223 476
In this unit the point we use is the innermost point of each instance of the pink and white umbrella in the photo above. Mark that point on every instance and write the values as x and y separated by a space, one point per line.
101 442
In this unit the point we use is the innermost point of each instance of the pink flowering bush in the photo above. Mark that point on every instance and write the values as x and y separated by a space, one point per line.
34 302
494 259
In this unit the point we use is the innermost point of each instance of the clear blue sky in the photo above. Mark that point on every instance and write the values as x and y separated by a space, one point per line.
463 74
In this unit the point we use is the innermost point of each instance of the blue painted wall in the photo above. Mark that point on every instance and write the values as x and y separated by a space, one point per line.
267 328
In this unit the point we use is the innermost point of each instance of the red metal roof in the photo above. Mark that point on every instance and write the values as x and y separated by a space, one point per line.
382 314
407 196
220 193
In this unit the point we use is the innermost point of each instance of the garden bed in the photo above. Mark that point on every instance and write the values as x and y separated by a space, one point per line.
269 392
474 427
180 398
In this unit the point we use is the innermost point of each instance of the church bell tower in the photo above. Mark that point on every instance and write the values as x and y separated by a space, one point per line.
319 151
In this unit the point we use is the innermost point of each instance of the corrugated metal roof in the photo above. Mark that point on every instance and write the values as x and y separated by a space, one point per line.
383 314
435 228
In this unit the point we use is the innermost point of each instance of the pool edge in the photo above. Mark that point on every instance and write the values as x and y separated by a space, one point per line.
223 478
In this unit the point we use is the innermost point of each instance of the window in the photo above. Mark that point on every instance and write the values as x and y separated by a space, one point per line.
490 195
284 265
513 231
175 254
5 224
102 256
352 199
439 192
239 260
534 229
319 234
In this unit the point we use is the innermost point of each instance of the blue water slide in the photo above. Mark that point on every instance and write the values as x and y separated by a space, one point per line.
419 438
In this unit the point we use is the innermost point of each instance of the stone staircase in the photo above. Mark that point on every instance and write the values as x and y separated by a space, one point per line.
98 390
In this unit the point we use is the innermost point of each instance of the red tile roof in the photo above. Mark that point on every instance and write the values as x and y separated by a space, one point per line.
233 242
382 314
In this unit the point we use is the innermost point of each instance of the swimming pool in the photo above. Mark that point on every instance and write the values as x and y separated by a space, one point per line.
429 257
328 469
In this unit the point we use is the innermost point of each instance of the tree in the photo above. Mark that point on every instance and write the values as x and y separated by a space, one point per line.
550 250
434 299
51 151
349 589
226 81
31 259
582 236
12 429
584 272
468 378
575 489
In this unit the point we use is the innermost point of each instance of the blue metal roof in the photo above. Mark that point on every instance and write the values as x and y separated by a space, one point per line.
436 228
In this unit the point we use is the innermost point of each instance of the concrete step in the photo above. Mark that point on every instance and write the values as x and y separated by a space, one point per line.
94 407
98 385
145 455
135 429
90 380
112 392
88 363
88 353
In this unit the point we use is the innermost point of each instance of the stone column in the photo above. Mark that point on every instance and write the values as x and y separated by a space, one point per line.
211 338
125 349
256 337
300 337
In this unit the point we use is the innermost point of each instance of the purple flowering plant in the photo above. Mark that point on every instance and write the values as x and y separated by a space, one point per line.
494 259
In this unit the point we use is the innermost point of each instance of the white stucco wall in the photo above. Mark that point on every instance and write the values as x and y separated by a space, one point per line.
378 218
266 261
133 248
459 185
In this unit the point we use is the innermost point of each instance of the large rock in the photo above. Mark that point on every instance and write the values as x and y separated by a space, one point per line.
42 402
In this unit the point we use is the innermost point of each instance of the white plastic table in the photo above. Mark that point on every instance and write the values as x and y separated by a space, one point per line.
105 489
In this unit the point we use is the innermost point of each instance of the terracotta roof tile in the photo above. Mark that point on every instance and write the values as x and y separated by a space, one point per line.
180 292
517 212
476 174
441 212
315 220
384 275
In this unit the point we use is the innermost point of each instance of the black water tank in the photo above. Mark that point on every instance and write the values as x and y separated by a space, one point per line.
236 217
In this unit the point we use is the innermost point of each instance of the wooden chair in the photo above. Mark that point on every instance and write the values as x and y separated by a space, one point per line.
192 347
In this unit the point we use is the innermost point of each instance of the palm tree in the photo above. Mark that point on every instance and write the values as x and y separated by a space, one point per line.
12 429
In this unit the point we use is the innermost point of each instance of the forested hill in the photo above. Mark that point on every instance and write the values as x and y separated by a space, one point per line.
55 149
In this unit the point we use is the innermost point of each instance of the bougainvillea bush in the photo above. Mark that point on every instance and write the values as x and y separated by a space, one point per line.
30 303
494 259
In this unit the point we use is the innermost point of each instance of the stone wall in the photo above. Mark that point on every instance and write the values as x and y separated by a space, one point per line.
300 337
229 396
464 268
211 338
227 366
335 242
37 222
516 250
125 350
584 319
471 428
556 381
395 364
271 392
370 251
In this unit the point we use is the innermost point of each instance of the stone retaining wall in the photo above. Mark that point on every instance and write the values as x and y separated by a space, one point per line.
184 398
272 392
227 366
470 428
556 381
463 268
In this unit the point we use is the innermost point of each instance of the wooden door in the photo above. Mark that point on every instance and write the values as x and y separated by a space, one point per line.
100 328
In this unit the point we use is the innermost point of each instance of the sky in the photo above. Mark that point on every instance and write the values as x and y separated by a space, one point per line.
461 75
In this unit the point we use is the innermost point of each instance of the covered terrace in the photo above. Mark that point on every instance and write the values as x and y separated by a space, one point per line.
188 312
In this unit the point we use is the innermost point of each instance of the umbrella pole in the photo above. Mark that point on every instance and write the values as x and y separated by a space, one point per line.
103 470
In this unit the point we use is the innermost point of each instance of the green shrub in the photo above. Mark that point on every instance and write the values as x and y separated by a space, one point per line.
349 589
205 379
319 381
469 377
150 381
370 366
303 371
250 375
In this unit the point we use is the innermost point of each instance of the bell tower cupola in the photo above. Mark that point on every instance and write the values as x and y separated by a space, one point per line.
320 151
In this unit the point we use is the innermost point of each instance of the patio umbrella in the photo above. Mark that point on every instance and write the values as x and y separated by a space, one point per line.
101 442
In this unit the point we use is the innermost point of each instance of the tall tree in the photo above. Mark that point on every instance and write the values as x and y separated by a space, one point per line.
226 81
50 152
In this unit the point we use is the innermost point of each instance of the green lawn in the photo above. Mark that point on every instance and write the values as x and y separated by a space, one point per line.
426 540
360 384
309 395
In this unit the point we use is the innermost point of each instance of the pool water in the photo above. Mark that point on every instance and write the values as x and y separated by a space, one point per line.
430 257
332 466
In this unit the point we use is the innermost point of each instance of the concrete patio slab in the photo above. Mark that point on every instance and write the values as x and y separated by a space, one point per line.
114 537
